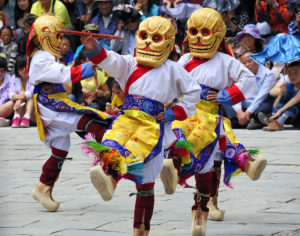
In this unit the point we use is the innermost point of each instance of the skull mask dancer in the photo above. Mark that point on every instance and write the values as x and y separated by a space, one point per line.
154 41
206 30
47 28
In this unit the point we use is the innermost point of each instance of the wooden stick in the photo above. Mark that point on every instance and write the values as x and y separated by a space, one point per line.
94 35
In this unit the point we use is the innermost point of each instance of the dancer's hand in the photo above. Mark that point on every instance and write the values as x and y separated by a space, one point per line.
161 117
89 43
212 96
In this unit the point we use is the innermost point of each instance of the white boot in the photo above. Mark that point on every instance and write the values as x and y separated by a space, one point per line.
45 199
169 176
214 212
256 167
199 222
102 182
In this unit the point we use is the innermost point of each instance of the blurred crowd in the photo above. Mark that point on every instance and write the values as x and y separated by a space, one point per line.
250 26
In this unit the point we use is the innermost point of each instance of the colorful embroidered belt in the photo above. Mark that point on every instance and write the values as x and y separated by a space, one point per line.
54 97
205 90
147 105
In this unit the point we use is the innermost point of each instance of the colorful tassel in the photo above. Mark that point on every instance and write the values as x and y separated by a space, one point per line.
253 151
184 144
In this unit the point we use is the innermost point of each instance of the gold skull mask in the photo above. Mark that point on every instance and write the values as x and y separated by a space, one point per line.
154 41
47 28
206 30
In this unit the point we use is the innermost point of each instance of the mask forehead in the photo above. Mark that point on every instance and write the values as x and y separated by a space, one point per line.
206 30
154 41
47 29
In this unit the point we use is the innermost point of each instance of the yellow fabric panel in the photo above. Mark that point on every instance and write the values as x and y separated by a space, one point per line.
229 132
39 122
136 131
199 129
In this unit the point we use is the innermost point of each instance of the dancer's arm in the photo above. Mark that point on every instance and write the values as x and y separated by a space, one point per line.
119 67
44 68
244 82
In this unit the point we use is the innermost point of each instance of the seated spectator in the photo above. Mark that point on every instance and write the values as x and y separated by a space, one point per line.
247 110
275 13
65 51
21 93
85 11
250 39
294 25
117 99
146 8
25 24
7 13
107 23
282 113
8 47
22 9
128 15
6 105
95 90
55 7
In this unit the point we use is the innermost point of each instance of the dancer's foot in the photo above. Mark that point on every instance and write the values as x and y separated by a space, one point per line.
214 212
105 184
199 222
254 168
140 231
43 194
169 176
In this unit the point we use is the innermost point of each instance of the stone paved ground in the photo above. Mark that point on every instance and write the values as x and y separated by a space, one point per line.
269 206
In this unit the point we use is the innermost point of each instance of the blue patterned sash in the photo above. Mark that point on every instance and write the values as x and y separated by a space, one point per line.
205 90
147 105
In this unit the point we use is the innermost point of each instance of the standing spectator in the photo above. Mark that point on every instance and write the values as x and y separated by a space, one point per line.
55 7
275 13
85 11
65 51
6 105
147 8
8 13
128 15
294 25
8 47
22 9
107 23
25 24
21 92
247 110
235 20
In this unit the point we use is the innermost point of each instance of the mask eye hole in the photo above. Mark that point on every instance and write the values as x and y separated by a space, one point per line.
205 32
45 29
143 35
193 31
157 38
